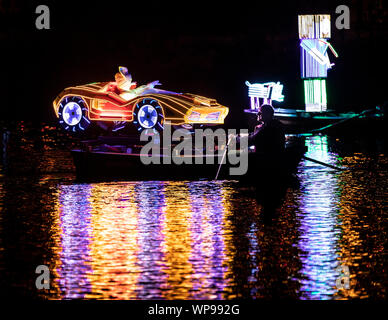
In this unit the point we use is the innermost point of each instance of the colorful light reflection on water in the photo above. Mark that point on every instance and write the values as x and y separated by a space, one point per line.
75 215
318 222
197 240
142 240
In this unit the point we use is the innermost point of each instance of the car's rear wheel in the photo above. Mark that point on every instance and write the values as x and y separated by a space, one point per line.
72 114
148 115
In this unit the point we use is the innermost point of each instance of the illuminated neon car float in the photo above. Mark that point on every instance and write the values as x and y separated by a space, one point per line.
121 102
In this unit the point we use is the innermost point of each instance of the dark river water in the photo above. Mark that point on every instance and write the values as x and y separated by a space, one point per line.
192 240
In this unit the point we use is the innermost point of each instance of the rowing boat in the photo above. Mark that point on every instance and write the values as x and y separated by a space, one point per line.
124 162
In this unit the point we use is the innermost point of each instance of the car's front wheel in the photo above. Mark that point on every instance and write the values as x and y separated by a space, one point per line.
72 114
148 115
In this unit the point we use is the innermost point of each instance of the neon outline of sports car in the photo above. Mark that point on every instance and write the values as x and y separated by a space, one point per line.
77 106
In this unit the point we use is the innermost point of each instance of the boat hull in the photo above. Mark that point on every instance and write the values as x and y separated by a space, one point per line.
91 165
328 122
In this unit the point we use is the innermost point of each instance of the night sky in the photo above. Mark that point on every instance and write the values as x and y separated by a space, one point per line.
204 47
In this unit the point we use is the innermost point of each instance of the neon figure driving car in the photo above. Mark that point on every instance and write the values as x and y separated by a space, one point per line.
123 101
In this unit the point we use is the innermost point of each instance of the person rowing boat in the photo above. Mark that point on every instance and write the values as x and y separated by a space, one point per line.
268 136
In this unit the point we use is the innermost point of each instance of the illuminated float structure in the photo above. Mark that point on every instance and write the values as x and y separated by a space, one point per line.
266 91
121 102
314 32
259 94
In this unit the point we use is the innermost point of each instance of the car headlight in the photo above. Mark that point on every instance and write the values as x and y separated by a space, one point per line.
213 116
194 116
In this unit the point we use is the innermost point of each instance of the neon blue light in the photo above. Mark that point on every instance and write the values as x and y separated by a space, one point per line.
194 116
148 116
314 58
213 116
72 113
119 128
268 90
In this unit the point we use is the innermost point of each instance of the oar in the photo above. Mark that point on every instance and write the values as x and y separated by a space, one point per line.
223 157
342 121
324 164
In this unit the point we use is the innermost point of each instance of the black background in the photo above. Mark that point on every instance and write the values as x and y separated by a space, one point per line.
204 47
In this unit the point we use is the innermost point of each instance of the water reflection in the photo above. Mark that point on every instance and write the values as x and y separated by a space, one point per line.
75 241
363 216
199 240
114 243
151 204
318 216
209 253
142 240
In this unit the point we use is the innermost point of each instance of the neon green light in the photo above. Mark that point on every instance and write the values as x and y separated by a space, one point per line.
323 92
315 94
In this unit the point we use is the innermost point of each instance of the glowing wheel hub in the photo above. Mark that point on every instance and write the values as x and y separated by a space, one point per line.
147 116
72 113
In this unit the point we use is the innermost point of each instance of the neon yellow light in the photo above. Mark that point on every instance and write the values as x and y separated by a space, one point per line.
204 112
314 26
105 105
